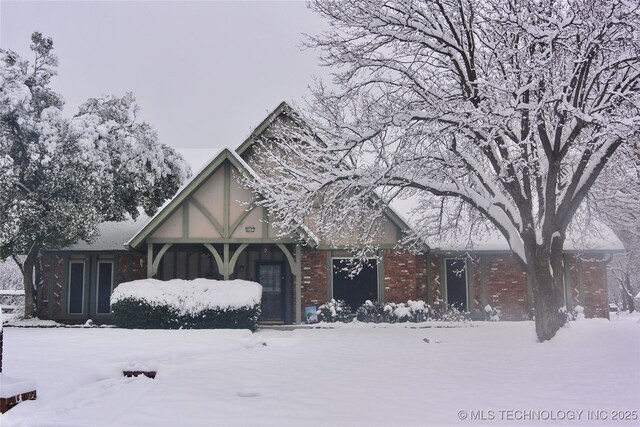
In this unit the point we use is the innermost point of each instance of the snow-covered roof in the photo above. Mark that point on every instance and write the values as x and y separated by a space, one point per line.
112 235
599 238
137 238
118 235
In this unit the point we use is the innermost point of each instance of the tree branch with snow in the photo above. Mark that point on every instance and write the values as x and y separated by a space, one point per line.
509 110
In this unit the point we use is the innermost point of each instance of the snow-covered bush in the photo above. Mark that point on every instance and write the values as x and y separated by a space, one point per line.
371 312
491 314
334 311
191 304
577 313
440 310
411 311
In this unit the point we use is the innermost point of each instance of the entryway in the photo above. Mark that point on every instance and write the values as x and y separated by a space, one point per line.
271 276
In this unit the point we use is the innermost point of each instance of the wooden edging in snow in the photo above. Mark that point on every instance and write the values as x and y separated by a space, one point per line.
7 403
148 374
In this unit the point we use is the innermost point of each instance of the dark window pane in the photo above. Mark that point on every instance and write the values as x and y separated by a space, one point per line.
457 283
105 270
76 287
355 290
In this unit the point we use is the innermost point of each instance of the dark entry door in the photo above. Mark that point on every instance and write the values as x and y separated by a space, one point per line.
355 289
270 276
457 283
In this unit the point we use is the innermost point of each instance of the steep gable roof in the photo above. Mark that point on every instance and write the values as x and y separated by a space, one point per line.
238 162
285 109
282 108
183 193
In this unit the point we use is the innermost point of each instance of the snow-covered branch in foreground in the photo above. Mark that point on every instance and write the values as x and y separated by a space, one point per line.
511 108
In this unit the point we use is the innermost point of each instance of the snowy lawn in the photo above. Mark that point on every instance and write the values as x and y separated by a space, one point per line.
350 376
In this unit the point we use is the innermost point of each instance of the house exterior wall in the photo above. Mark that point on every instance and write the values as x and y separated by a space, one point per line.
595 288
499 280
314 277
53 296
495 279
506 286
477 303
400 276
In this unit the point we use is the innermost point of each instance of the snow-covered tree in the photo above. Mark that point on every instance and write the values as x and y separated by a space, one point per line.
614 200
61 176
498 112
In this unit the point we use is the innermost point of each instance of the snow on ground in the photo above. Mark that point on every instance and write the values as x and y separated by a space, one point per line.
348 376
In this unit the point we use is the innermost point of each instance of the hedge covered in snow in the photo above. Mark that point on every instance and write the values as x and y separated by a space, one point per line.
189 304
391 312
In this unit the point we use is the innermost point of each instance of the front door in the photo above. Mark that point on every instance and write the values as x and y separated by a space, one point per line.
270 276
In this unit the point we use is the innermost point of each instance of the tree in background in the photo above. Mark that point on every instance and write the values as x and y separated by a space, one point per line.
62 176
486 111
615 201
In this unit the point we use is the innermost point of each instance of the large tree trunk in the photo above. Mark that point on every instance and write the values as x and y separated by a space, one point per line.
548 290
28 268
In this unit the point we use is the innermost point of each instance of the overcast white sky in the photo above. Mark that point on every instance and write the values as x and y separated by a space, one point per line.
204 73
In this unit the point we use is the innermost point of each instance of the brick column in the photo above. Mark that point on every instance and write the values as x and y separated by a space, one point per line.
314 276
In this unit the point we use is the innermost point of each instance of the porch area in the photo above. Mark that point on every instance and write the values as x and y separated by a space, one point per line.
276 266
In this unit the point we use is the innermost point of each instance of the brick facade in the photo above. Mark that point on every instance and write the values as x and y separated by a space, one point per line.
139 267
421 277
400 276
43 303
57 287
436 279
496 279
594 276
130 266
506 286
476 307
314 277
572 281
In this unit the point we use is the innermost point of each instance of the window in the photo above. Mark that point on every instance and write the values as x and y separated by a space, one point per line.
76 287
105 286
456 276
355 290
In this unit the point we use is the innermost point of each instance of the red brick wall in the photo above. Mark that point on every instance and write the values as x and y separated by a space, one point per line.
123 262
139 267
139 271
57 287
594 276
574 280
44 294
476 280
399 276
421 277
506 286
314 277
436 279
